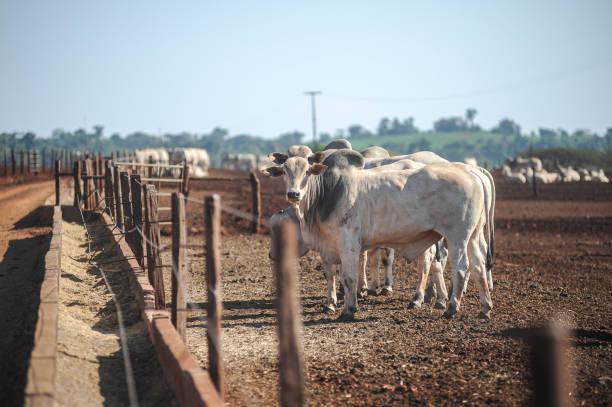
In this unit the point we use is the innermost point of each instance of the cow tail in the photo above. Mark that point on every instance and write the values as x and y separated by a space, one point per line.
438 250
490 221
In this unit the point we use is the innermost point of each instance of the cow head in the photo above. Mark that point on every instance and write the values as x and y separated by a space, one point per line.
295 171
277 218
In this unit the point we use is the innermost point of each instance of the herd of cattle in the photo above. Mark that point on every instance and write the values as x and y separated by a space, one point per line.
348 205
525 170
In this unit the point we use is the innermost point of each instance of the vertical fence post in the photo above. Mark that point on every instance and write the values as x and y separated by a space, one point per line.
43 164
551 379
13 164
179 266
76 173
212 226
28 162
5 161
256 189
58 169
100 170
153 259
117 195
137 217
127 206
108 188
185 179
21 161
287 310
86 192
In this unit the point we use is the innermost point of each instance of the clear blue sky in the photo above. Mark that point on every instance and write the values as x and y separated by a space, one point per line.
190 66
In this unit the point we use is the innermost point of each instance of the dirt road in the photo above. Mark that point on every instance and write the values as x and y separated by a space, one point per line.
22 241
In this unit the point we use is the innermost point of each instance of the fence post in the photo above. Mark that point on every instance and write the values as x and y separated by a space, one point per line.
13 164
552 382
28 162
154 263
86 190
256 189
76 173
58 169
127 205
100 164
5 172
212 226
108 188
179 266
21 161
287 309
137 217
43 161
185 179
117 195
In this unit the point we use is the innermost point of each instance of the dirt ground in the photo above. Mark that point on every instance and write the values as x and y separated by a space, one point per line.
90 364
553 263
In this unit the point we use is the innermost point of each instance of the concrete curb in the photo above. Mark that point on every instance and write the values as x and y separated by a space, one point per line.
40 388
191 384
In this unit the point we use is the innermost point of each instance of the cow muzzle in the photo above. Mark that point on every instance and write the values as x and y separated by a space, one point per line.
293 196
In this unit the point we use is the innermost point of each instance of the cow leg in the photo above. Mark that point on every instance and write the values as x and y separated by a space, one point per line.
423 264
330 275
477 252
362 282
458 259
374 273
388 255
430 290
437 276
349 274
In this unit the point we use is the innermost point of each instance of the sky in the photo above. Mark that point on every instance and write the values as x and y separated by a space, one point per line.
168 67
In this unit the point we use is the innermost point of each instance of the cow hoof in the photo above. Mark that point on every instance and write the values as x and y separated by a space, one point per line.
362 294
330 308
346 316
440 305
386 291
450 312
484 315
372 291
414 304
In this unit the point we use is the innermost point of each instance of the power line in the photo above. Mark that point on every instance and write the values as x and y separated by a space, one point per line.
313 94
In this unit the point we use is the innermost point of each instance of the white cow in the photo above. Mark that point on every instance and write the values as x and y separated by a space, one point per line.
197 160
567 174
344 211
510 177
375 152
599 176
585 175
299 151
470 161
519 163
241 162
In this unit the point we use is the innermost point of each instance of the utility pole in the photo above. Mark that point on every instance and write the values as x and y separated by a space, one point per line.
314 114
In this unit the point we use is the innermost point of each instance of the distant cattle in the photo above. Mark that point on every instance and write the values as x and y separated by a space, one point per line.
375 152
197 160
241 162
511 177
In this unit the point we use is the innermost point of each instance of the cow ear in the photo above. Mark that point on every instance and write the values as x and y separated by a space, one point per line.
278 158
316 157
317 169
275 171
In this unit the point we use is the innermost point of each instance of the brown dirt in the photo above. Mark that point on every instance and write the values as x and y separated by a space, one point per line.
23 241
553 262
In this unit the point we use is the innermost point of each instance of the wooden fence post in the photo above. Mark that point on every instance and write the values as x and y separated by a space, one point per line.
43 159
127 204
21 161
100 163
185 179
13 164
118 198
287 309
137 217
76 173
58 169
86 190
552 382
179 266
212 226
108 188
154 264
256 189
5 161
28 162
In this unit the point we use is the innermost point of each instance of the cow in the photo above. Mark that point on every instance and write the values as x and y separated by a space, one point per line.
375 152
344 211
197 160
241 162
338 144
519 163
567 174
425 157
470 161
599 176
510 177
